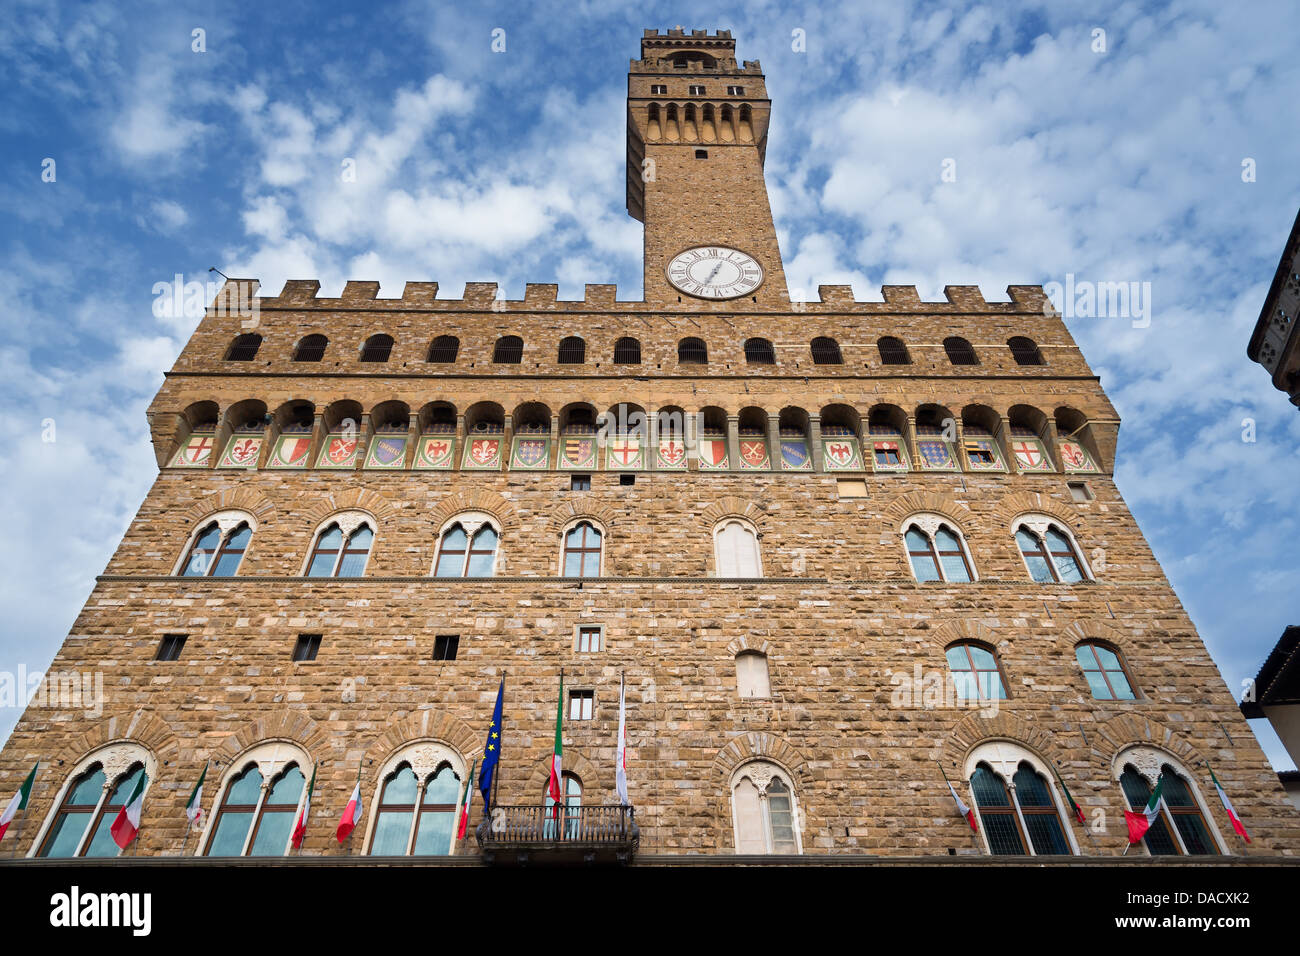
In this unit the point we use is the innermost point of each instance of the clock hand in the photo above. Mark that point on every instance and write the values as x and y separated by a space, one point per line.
712 274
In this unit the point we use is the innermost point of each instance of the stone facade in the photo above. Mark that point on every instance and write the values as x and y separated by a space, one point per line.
838 614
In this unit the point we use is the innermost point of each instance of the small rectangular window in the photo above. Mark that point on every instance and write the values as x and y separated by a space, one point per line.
696 91
851 487
580 482
1080 491
627 479
701 154
306 648
169 648
445 647
589 639
582 703
735 91
658 90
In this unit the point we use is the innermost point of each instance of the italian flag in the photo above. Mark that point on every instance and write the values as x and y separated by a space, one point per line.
300 828
1223 798
553 785
1078 811
1140 823
962 809
127 824
466 799
19 802
351 813
194 809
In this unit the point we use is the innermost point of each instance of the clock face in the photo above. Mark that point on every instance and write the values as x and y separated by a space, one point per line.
715 272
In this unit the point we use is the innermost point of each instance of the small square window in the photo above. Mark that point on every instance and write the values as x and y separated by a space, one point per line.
701 154
306 648
697 91
589 639
851 487
445 647
169 648
582 703
1080 491
580 482
735 91
627 479
658 90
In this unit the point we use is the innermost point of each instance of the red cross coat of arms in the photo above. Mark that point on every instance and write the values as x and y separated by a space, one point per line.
197 449
624 451
1027 454
340 450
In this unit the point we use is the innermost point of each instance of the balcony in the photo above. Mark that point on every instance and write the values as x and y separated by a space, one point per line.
581 835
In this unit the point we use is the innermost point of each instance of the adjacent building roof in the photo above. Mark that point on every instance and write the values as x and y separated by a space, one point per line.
1278 681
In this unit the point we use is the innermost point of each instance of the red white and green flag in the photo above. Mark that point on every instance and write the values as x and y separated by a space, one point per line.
127 824
194 809
351 813
1140 823
18 802
1223 798
1074 807
557 771
962 809
300 828
466 799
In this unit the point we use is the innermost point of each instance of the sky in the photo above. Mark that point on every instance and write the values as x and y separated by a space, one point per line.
911 143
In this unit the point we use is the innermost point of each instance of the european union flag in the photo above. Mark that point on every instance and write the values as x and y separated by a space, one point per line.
491 749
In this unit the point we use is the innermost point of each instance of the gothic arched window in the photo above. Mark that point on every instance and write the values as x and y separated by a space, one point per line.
259 803
1049 552
416 813
468 548
1020 819
80 824
583 546
937 552
1179 828
218 548
764 811
736 553
340 553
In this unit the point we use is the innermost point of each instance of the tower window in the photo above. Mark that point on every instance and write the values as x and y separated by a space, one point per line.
1024 351
444 349
306 647
244 348
826 351
169 648
893 351
658 89
627 351
445 647
573 351
759 352
580 482
311 349
377 348
960 352
735 91
692 351
701 154
695 91
509 350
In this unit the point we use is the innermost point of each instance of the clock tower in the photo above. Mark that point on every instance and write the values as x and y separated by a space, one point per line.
697 126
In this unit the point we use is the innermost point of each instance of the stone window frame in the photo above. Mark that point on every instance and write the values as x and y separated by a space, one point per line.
228 521
1148 761
425 758
577 638
471 522
748 525
348 522
967 643
116 759
761 772
1003 758
929 523
564 547
767 672
1124 667
272 758
1037 525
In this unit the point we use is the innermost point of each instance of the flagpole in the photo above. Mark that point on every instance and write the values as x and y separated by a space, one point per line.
1218 787
974 832
496 771
1086 829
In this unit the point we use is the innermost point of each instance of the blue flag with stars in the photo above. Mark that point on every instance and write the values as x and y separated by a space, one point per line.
491 749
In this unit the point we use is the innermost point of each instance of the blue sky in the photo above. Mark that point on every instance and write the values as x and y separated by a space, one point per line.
1123 165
